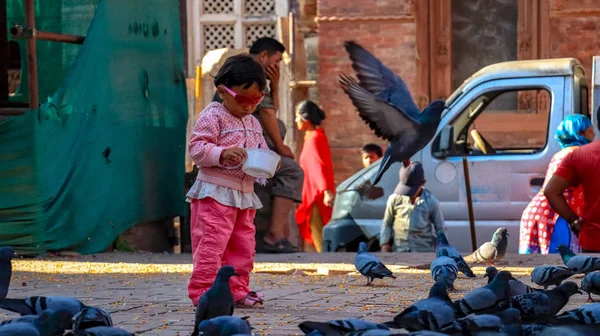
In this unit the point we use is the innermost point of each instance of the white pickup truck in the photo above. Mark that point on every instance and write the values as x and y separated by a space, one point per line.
503 119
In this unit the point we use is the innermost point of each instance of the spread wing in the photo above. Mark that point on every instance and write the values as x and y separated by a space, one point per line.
388 122
380 80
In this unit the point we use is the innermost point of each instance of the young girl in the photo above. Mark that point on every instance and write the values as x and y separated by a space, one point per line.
223 202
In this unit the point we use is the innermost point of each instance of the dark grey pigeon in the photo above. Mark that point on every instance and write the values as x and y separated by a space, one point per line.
385 104
485 299
100 331
48 323
550 275
225 326
591 284
578 263
443 245
218 300
6 256
492 251
35 305
370 266
433 313
339 327
444 268
541 304
516 286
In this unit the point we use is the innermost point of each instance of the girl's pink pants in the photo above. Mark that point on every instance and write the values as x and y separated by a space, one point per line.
221 235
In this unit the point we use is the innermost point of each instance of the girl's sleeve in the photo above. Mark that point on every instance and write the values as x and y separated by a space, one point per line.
202 147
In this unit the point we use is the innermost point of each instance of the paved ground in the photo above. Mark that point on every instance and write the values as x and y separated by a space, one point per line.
146 293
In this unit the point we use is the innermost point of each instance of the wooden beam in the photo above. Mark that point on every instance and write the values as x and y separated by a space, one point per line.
440 48
423 89
3 53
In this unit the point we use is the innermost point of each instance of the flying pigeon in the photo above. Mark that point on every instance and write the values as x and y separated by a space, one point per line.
578 263
443 245
218 300
6 255
591 284
433 313
369 265
225 326
385 104
100 331
484 299
35 305
339 327
444 268
550 275
542 303
492 251
516 286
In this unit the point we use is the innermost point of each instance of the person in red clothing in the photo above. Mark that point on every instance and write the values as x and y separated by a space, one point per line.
580 167
318 191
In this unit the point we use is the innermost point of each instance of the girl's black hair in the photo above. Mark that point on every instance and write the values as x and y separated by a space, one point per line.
241 70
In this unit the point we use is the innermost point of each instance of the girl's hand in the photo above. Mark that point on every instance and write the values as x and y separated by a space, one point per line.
328 198
233 156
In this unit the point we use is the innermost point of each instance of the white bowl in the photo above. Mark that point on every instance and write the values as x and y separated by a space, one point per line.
261 163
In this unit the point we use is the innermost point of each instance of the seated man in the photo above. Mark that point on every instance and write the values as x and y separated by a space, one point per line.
286 185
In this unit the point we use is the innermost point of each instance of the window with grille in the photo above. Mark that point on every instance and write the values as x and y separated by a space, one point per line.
232 23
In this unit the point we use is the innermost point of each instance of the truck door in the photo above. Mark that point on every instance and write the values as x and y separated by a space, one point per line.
506 129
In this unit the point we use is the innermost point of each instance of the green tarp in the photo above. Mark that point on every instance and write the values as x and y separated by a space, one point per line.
106 149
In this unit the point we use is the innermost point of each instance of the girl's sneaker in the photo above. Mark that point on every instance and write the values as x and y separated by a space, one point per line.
252 300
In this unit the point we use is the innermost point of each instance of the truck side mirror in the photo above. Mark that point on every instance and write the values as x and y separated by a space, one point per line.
446 141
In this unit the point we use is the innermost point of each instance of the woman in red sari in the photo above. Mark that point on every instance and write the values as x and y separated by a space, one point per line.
318 190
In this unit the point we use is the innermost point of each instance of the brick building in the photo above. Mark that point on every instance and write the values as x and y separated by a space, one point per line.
435 45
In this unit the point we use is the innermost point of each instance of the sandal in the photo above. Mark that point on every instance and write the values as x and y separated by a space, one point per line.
282 246
252 300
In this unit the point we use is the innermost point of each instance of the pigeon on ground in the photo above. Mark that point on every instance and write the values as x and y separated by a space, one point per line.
541 304
444 268
591 284
384 102
516 286
524 329
476 324
339 327
586 314
35 305
6 255
492 251
433 313
578 263
369 265
100 331
225 326
485 299
443 245
572 330
550 275
48 323
218 300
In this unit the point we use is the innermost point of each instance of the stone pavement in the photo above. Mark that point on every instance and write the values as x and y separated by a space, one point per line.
147 293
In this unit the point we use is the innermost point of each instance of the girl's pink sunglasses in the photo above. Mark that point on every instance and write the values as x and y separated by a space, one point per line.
244 100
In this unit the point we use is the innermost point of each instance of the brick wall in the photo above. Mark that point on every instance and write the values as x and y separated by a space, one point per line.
393 42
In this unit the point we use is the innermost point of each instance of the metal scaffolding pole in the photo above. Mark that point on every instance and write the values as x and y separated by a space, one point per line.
32 56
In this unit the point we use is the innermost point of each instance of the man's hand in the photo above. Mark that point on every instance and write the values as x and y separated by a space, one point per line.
386 248
285 150
232 156
272 73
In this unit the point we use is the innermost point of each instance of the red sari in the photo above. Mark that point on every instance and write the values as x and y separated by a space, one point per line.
315 160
